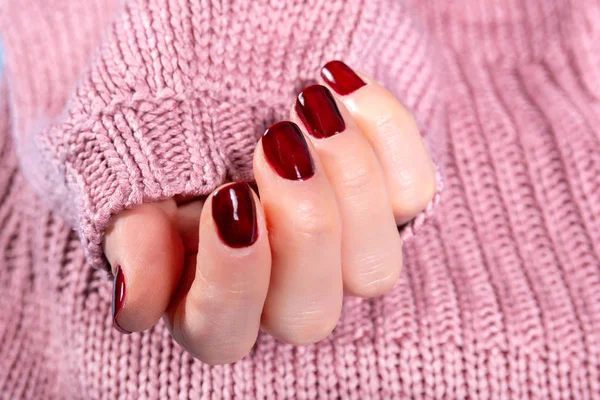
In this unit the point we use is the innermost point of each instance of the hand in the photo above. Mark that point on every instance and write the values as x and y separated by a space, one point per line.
335 182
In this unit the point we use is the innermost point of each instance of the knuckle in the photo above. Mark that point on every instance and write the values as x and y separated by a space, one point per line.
312 219
241 288
214 341
308 327
393 118
428 187
358 176
373 270
413 196
386 121
229 349
374 282
230 354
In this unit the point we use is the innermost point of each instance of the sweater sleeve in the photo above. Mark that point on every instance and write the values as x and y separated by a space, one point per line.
119 103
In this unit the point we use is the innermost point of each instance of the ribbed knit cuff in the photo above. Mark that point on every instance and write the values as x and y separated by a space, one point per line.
133 150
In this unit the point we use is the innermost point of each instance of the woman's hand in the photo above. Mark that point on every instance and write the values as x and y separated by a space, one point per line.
335 182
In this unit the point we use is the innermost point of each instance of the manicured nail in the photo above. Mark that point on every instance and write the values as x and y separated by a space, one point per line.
234 212
317 109
118 298
287 152
341 77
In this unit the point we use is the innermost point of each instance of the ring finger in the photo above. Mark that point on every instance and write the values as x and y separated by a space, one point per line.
371 245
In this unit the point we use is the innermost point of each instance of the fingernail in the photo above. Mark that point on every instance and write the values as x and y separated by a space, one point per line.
341 77
287 152
317 109
234 212
118 298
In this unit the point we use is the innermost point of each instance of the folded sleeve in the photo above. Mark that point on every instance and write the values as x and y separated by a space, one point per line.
117 103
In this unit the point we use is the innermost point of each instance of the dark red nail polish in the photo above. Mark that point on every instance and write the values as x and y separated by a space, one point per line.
287 152
341 77
234 212
118 298
317 109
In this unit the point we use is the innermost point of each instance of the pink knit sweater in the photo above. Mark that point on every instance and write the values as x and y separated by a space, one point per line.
105 104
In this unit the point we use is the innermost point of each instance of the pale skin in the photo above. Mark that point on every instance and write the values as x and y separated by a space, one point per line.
319 239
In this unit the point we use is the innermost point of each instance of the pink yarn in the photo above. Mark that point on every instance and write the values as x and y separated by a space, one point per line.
106 104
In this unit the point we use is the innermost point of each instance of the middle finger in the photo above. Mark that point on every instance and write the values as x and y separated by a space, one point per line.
305 294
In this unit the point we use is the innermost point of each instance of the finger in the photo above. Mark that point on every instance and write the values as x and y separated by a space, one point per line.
145 252
188 220
305 292
394 135
216 312
371 246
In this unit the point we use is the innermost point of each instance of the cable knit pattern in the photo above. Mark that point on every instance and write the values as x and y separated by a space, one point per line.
108 104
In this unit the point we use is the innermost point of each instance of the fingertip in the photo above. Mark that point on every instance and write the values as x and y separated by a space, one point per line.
341 78
233 230
118 297
146 256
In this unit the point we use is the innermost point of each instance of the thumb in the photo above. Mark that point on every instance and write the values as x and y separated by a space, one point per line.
145 252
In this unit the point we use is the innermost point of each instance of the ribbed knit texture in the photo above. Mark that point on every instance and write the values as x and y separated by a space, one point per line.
107 104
